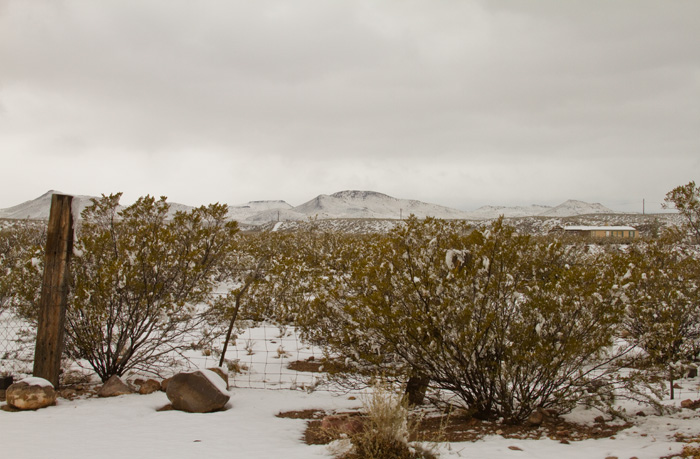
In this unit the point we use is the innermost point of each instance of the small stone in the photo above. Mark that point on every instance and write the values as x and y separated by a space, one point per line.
677 386
515 448
114 387
641 413
564 441
536 418
610 457
68 393
689 404
599 419
148 387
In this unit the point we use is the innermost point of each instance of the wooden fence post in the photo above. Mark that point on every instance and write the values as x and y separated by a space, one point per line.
54 290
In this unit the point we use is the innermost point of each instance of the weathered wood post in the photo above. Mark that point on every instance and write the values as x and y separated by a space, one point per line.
54 290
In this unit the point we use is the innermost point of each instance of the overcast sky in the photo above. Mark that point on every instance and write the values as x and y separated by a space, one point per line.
454 102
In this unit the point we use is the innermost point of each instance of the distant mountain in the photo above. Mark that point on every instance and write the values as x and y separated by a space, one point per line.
350 204
568 208
38 209
573 207
490 212
260 210
370 204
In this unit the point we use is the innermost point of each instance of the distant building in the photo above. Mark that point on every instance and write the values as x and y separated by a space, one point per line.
603 231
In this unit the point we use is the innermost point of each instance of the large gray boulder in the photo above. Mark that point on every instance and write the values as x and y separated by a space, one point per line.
200 391
30 394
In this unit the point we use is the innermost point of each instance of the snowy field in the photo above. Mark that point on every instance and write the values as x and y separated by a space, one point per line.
130 426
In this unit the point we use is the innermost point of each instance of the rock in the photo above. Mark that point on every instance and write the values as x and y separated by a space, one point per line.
537 417
599 419
114 387
221 372
68 393
200 391
148 387
641 413
342 424
515 448
690 404
693 373
30 394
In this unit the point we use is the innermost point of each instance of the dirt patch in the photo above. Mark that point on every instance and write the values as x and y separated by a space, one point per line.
303 414
311 365
457 428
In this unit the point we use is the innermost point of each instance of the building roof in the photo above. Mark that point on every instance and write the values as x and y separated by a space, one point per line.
599 228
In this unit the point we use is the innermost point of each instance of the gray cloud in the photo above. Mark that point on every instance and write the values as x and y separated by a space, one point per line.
458 103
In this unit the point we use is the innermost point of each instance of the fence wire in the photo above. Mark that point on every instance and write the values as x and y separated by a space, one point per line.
269 357
258 357
16 350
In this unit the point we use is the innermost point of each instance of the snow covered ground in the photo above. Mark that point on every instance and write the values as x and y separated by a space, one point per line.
130 425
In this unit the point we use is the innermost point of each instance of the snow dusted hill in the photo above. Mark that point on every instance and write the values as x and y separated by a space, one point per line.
573 207
260 210
370 204
490 212
351 204
38 209
569 208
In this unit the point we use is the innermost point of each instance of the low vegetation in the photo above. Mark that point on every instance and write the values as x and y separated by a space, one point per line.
504 322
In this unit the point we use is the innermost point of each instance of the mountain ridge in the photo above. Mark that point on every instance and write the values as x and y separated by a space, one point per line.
346 204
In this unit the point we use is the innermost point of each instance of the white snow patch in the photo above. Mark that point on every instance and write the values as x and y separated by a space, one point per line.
36 381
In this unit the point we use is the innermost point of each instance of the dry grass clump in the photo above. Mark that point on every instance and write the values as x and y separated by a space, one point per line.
386 431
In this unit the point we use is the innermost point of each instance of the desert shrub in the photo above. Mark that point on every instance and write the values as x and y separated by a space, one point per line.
659 283
507 322
686 200
137 278
20 245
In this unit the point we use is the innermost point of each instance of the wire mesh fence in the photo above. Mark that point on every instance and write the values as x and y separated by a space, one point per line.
258 357
269 357
16 350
